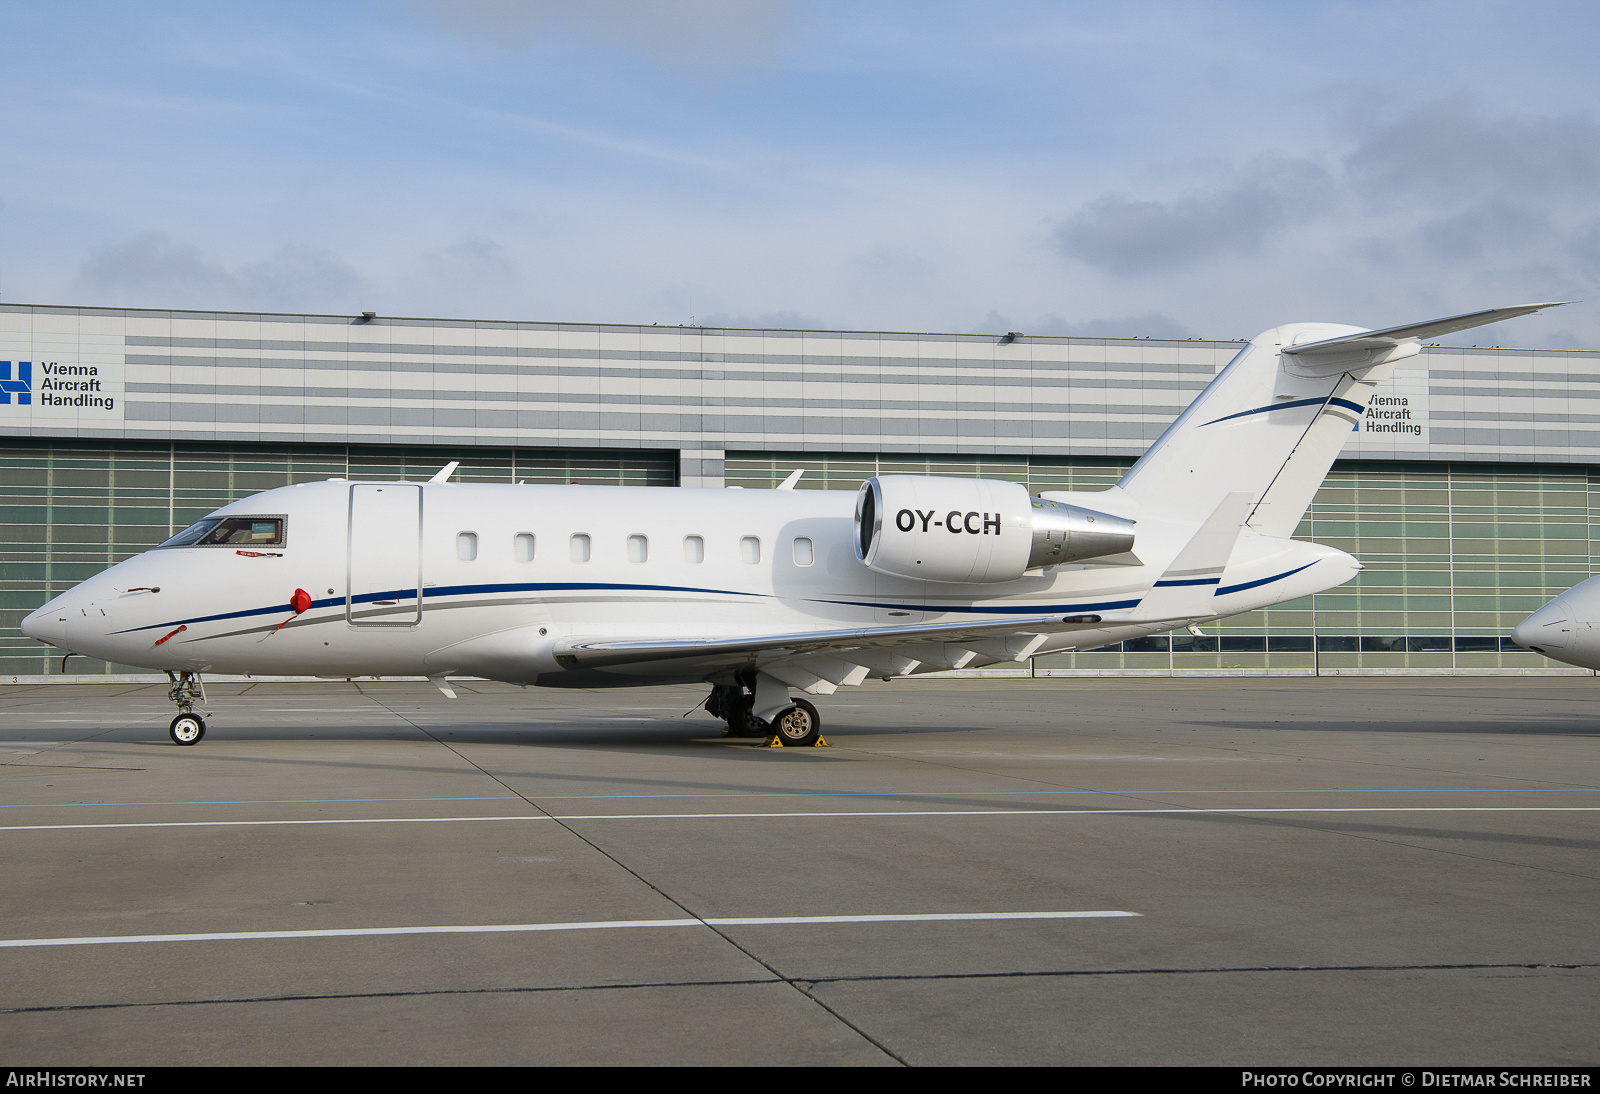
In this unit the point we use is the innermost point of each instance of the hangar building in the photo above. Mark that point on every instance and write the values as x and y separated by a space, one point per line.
1470 491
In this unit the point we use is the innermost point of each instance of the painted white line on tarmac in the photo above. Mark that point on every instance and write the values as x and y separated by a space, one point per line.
575 817
600 925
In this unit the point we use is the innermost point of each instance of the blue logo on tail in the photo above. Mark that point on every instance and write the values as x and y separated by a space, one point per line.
21 387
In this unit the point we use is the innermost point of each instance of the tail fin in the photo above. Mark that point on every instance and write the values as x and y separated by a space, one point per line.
1274 419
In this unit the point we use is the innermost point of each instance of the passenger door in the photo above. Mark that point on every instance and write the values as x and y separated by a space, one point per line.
384 586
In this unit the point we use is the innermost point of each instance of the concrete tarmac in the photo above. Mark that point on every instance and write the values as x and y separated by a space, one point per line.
1336 871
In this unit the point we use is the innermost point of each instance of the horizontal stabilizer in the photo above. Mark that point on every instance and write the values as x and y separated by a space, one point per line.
1271 423
1393 336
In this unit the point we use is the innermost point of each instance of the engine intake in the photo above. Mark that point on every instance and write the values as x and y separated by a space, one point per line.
983 530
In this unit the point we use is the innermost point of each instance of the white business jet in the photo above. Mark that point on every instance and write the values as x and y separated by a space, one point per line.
754 591
1564 629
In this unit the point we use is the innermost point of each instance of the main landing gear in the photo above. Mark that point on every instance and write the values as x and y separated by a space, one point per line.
794 723
799 725
186 690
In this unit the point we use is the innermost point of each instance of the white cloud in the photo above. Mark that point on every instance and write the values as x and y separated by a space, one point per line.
772 320
151 270
1436 206
1149 325
1127 236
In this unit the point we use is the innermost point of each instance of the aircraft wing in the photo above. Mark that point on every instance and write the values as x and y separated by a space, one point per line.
1393 336
820 661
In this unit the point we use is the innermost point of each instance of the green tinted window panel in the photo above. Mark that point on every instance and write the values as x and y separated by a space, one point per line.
29 571
847 471
1408 577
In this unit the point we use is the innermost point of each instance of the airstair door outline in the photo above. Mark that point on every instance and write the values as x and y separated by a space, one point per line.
383 575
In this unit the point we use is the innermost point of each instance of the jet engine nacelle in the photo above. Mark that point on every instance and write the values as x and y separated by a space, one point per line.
943 529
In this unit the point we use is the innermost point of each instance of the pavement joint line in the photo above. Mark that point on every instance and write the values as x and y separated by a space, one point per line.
661 891
414 993
812 982
797 794
813 816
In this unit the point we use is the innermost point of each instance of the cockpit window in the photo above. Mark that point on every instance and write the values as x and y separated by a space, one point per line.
231 532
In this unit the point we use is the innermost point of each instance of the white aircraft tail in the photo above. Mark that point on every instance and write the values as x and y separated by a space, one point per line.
1189 583
1271 423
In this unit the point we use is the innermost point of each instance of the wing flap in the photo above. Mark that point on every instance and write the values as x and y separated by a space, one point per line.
931 639
799 677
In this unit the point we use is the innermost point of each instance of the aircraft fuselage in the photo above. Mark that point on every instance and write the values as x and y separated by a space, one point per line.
548 564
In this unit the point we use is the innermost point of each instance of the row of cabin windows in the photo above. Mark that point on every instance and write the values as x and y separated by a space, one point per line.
694 548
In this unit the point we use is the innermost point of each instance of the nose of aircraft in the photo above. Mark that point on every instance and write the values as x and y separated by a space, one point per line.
52 622
1545 629
48 624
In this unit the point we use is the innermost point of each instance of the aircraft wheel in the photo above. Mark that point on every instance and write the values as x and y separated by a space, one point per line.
187 729
742 723
798 725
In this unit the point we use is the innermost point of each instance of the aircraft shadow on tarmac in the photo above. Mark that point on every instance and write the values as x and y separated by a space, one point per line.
615 785
664 734
1397 831
1553 725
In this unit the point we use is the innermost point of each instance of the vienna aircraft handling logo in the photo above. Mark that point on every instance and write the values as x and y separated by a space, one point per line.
21 387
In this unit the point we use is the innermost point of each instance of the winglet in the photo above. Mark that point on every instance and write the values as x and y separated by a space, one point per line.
446 471
792 481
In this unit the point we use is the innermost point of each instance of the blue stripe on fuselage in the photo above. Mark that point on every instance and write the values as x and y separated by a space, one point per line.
1263 581
571 586
446 590
1025 609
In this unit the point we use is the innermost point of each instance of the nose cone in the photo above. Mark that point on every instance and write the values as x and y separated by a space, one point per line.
1566 629
1547 629
48 624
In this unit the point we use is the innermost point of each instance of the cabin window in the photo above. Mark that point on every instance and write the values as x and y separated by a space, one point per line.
580 548
522 547
750 550
466 546
805 553
231 532
638 549
694 549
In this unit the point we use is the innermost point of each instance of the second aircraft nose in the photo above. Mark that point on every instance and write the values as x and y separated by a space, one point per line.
1546 629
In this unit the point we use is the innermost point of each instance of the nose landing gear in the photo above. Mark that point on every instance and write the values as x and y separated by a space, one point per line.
186 690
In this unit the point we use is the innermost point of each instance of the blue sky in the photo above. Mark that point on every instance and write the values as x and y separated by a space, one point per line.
1205 169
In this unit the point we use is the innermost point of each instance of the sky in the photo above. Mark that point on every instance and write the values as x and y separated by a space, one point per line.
1135 169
